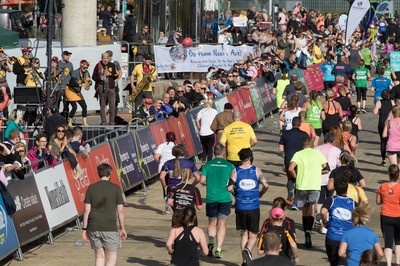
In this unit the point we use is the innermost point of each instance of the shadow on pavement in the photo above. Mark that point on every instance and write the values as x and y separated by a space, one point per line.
138 261
158 242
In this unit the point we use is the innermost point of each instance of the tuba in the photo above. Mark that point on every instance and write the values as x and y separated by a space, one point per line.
143 83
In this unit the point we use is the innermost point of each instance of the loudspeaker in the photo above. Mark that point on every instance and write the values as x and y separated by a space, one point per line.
27 95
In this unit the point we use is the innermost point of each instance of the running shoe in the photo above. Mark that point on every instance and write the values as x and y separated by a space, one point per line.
210 248
167 211
247 257
323 230
308 240
317 224
218 254
364 111
383 163
294 207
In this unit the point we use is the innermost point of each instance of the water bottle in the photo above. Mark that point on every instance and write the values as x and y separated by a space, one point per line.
69 229
78 244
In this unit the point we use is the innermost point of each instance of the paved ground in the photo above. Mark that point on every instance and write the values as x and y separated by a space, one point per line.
148 228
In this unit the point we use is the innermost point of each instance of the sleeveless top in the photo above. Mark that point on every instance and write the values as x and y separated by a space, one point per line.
388 73
185 248
354 126
340 217
366 53
247 194
393 143
313 114
384 111
330 119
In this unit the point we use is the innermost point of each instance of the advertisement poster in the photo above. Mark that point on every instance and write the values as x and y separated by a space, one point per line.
126 161
194 132
159 130
8 236
56 195
198 59
180 127
30 219
256 99
314 79
145 148
268 101
248 113
79 186
102 154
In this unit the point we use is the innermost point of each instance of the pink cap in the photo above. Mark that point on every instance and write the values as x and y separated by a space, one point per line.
277 213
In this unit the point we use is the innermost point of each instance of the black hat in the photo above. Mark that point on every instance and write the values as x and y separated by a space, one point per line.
228 106
66 53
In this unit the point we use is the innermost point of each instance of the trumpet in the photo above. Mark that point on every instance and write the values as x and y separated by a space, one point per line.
10 59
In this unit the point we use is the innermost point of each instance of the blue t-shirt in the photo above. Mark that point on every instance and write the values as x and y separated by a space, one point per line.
340 209
327 69
358 239
380 84
341 69
382 26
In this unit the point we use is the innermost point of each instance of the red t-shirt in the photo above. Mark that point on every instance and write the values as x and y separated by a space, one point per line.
390 200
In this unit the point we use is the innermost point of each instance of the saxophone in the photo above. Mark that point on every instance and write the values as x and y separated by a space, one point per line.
147 78
86 81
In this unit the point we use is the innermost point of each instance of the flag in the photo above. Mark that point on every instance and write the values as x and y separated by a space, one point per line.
356 13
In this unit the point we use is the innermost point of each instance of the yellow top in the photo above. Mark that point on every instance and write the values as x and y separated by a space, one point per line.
237 136
138 74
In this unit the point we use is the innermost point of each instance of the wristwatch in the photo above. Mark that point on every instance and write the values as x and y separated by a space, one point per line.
84 228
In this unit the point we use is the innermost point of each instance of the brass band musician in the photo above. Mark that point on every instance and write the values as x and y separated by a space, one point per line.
140 72
33 74
22 65
105 74
80 79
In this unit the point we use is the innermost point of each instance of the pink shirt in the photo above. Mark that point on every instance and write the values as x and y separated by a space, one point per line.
393 143
331 154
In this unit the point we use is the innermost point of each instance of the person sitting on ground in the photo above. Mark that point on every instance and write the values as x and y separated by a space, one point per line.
40 155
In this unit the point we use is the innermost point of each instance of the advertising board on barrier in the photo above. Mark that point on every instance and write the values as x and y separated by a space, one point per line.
198 59
256 98
194 132
56 195
8 236
30 220
145 148
180 127
102 154
268 101
79 186
126 161
247 107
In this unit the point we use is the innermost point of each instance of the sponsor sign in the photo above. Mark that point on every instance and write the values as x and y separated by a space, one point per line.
194 131
256 99
126 161
145 148
56 195
356 13
30 219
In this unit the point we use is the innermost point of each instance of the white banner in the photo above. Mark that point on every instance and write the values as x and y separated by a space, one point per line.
199 59
356 13
56 195
343 21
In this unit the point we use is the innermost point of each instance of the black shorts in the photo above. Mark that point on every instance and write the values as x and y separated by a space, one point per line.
393 153
318 131
324 194
248 220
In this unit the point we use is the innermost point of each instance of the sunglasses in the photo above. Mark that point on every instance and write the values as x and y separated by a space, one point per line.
230 76
180 91
20 151
61 130
235 76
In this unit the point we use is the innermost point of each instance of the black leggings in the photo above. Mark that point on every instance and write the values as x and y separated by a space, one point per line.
74 106
390 227
332 248
383 142
361 92
207 142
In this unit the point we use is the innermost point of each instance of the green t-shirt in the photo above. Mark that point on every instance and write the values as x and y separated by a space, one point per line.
309 169
366 54
217 172
103 197
388 73
361 77
313 114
